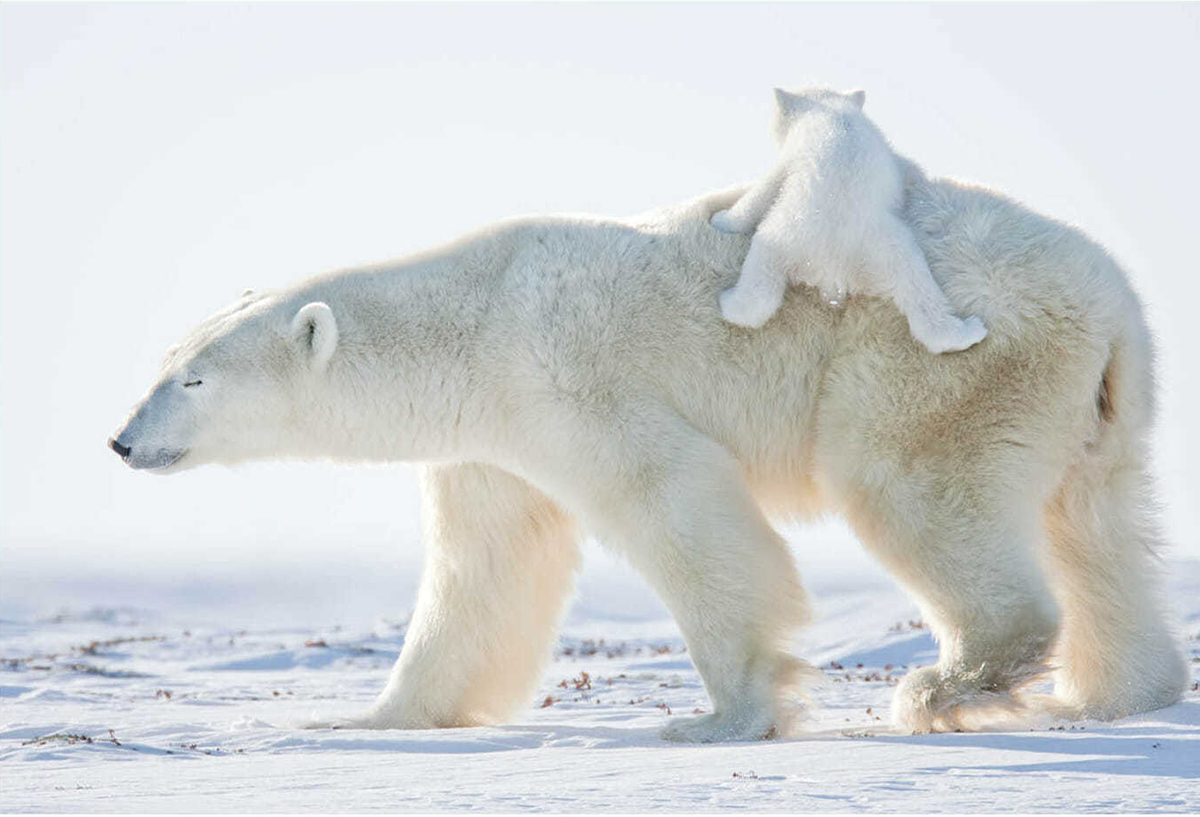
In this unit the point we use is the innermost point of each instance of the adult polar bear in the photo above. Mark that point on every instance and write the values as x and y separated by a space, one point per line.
571 374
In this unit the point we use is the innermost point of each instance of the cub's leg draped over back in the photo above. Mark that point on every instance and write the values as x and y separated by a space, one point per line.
749 210
760 289
898 263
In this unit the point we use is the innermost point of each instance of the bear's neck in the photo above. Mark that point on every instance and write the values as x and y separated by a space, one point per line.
402 386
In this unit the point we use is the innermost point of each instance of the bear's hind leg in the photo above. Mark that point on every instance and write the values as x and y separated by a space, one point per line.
499 566
1116 655
982 592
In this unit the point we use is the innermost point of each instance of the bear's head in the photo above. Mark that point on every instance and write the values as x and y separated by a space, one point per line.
243 385
792 105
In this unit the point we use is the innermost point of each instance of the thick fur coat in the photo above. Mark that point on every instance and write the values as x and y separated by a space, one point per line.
559 376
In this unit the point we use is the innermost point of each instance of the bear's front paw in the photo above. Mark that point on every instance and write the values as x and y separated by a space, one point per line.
364 721
375 718
723 221
318 722
718 727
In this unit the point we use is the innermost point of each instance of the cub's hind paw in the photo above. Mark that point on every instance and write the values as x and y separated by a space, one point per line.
973 331
955 336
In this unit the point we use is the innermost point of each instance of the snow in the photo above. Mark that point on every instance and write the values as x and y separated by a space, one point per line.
185 693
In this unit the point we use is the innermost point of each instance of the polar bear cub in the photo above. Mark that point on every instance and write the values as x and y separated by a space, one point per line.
828 215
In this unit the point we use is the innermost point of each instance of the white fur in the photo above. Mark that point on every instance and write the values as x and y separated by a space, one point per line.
575 375
828 214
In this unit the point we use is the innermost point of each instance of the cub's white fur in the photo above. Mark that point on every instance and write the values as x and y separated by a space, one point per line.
828 214
574 376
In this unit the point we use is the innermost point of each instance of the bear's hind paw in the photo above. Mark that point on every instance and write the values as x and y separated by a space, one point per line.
928 701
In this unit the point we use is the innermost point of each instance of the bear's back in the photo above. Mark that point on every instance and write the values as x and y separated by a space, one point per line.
1053 300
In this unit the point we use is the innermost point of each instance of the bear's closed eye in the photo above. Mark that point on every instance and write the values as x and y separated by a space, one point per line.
192 383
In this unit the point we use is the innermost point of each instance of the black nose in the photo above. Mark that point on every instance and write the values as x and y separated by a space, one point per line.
122 450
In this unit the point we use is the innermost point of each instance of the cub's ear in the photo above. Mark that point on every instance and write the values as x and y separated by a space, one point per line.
315 329
857 97
790 104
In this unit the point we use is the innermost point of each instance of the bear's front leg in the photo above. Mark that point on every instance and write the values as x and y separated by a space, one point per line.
676 505
499 566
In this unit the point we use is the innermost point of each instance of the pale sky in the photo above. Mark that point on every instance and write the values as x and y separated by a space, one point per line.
156 160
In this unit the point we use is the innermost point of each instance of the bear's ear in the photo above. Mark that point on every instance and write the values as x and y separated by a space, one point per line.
858 98
315 329
783 99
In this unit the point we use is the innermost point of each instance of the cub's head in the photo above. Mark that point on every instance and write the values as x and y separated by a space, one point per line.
792 105
240 386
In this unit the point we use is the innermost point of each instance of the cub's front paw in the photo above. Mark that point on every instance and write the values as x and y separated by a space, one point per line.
726 223
743 309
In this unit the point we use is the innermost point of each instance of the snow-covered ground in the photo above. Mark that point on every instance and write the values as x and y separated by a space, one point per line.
181 695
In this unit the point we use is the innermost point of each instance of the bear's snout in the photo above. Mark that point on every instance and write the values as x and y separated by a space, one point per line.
122 450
